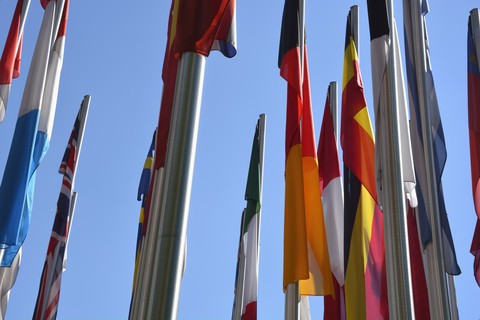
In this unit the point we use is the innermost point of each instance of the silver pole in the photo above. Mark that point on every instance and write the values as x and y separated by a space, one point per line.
81 131
437 288
261 145
474 15
143 283
23 18
332 98
453 297
58 19
292 300
400 296
170 240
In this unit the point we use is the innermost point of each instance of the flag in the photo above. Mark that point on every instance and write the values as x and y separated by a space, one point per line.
305 241
474 133
251 231
365 273
18 182
12 52
239 276
331 186
438 141
49 291
143 189
215 31
380 45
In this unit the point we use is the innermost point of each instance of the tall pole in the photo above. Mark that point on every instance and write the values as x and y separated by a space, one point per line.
169 246
435 265
332 98
400 295
240 281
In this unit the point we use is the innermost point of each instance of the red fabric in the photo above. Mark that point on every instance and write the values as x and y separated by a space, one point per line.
334 307
475 250
376 296
419 281
327 155
363 167
62 29
198 24
308 132
474 132
10 61
250 311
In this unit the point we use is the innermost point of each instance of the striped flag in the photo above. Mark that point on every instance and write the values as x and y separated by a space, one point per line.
438 141
473 63
365 273
251 231
305 242
143 189
12 52
331 185
49 291
16 189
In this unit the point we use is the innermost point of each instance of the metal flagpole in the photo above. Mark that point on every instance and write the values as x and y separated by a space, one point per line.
169 246
453 297
332 98
25 7
261 146
435 265
400 295
292 292
57 20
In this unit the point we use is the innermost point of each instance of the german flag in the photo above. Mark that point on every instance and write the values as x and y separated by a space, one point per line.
365 273
305 243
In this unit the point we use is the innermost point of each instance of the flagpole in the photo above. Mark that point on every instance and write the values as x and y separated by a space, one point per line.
57 20
475 16
23 15
435 265
400 295
171 236
332 98
261 145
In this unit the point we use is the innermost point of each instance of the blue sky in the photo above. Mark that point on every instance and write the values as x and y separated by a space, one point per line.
114 53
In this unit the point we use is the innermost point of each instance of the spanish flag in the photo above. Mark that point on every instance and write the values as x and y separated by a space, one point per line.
305 243
365 273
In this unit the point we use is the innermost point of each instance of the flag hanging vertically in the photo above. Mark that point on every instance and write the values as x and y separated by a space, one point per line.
12 52
473 63
365 273
418 145
380 45
143 189
305 242
332 196
251 230
18 182
49 290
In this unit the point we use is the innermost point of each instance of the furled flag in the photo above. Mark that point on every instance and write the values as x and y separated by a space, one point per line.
332 196
438 141
305 241
12 52
49 291
16 189
365 271
380 45
8 275
216 30
251 230
143 189
473 62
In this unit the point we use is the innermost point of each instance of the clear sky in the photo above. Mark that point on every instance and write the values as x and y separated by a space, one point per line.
114 52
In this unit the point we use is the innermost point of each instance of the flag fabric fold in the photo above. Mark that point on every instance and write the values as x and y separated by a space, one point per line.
332 198
49 291
305 243
380 44
365 270
438 140
18 182
474 135
12 52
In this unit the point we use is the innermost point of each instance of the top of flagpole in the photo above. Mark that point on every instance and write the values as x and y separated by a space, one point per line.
81 131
